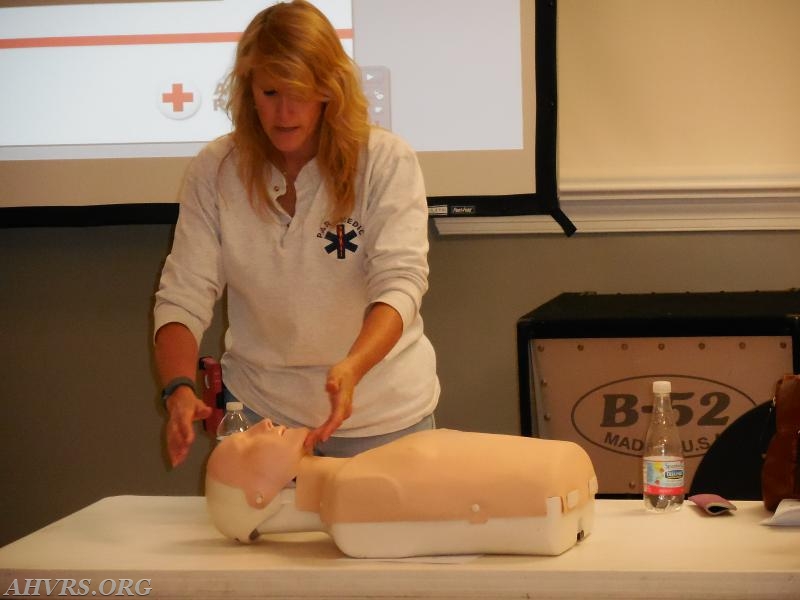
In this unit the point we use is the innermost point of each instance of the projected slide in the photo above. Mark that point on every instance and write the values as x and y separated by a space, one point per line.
104 102
107 74
144 78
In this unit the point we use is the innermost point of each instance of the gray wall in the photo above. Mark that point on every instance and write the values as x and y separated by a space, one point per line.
82 419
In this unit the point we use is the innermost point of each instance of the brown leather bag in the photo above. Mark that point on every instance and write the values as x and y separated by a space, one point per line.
780 474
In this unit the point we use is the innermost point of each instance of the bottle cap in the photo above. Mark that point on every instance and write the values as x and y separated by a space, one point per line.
229 406
662 387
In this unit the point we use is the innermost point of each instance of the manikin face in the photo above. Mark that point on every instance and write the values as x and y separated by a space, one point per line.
291 123
246 472
260 461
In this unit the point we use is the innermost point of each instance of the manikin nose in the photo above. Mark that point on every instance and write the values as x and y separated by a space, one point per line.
269 426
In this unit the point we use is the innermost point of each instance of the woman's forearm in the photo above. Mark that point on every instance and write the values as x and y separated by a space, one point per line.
379 333
175 352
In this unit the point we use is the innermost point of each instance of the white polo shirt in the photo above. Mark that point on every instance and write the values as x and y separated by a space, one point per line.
298 287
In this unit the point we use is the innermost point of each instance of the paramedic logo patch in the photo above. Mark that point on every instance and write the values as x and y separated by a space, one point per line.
341 239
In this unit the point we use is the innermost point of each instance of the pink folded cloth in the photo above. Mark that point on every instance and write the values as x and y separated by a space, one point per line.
712 503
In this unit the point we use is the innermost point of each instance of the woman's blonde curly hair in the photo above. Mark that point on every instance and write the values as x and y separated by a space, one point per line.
296 45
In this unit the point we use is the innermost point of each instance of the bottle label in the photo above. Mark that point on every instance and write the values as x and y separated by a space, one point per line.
663 475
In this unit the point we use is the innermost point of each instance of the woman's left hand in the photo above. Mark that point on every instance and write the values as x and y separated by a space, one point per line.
340 384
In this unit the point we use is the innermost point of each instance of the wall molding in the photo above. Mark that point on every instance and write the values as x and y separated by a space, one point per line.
626 208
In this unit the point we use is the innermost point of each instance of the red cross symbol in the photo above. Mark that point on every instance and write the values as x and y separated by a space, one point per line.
177 97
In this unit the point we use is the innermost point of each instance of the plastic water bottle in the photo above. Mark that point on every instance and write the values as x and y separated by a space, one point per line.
662 462
233 421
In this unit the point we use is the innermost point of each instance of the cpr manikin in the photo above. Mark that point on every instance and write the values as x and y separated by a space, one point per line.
428 493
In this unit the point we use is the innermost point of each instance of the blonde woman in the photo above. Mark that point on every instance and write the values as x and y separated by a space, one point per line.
315 224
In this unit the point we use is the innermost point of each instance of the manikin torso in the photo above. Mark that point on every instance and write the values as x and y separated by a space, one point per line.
432 492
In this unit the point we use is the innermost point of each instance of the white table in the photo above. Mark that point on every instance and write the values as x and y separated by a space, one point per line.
631 554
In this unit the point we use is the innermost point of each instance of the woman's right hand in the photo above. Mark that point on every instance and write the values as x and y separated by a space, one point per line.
184 409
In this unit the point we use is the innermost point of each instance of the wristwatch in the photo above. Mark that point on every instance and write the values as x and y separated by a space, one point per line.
173 385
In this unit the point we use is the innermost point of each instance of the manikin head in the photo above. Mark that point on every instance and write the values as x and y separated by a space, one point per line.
246 472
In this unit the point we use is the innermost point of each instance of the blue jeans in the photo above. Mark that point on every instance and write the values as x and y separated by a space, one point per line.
342 447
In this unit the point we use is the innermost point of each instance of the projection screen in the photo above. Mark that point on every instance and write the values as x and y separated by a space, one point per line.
105 103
